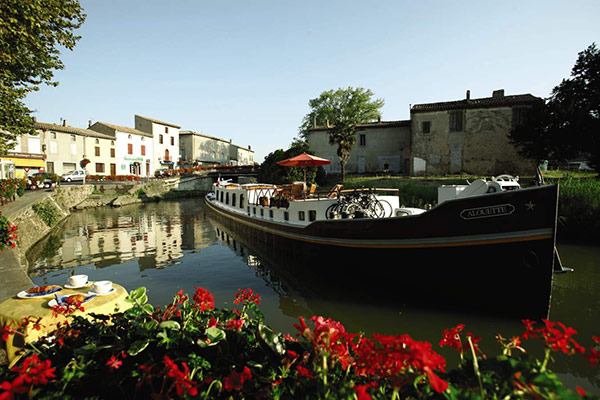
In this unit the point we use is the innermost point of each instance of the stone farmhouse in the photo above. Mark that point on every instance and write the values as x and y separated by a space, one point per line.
468 135
207 150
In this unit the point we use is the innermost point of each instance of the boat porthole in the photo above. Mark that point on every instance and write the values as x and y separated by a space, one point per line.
531 260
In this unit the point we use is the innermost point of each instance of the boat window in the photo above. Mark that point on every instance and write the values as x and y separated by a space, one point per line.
221 196
254 210
248 209
233 199
312 215
301 215
286 216
226 198
241 201
262 212
270 213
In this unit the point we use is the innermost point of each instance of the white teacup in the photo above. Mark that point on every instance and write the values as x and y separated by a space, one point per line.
78 280
102 287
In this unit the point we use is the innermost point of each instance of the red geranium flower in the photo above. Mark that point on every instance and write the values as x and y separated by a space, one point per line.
302 371
594 357
17 386
36 371
235 324
203 299
114 362
246 295
235 380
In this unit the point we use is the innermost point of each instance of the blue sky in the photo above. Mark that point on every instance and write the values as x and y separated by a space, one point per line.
245 70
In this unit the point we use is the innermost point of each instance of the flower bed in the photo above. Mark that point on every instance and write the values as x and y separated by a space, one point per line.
8 233
189 349
9 188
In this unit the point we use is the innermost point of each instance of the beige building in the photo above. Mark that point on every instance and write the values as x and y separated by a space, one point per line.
66 146
380 146
25 158
204 149
469 135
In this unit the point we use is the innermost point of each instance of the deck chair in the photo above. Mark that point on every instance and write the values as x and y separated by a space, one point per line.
333 193
312 190
297 190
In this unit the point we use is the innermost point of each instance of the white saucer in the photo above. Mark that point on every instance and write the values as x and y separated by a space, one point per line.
111 291
85 285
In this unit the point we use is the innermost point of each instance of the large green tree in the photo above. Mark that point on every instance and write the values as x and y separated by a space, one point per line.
567 124
342 110
32 32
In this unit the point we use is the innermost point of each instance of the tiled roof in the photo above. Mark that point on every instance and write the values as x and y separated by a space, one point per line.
486 102
157 121
122 129
369 125
71 129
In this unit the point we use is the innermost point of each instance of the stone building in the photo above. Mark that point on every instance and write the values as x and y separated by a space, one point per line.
65 146
380 146
207 150
469 135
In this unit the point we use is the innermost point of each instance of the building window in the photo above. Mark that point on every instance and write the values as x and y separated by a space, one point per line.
97 151
52 135
97 141
143 138
112 153
99 168
50 167
362 139
457 121
270 213
129 137
301 216
73 138
160 140
143 150
172 141
129 148
166 129
426 126
286 216
312 215
112 142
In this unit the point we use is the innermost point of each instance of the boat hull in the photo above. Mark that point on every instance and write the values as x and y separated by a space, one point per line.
491 253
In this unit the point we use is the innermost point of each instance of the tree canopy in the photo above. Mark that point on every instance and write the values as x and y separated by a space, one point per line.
342 110
567 124
31 35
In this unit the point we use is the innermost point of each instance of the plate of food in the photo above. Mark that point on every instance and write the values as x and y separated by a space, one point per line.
39 291
69 300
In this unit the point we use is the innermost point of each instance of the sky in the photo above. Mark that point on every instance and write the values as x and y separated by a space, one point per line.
245 70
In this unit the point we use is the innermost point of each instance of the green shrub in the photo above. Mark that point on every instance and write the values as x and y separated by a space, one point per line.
579 208
47 212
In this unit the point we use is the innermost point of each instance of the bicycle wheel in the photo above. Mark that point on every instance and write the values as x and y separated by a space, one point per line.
389 210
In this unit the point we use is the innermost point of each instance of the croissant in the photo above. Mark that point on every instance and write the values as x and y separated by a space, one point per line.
75 299
41 289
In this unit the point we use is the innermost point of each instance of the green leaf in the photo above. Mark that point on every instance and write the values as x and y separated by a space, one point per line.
137 347
271 339
214 336
148 308
170 325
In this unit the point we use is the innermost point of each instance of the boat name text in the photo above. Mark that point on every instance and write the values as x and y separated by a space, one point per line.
487 212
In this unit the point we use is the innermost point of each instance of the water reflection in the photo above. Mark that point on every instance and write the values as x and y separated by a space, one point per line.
174 245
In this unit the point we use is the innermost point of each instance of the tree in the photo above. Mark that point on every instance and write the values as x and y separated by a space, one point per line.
567 125
31 33
342 109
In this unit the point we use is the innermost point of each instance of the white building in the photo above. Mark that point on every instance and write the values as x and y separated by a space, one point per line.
134 150
165 140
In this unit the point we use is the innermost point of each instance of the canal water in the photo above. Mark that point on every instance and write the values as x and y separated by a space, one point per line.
175 245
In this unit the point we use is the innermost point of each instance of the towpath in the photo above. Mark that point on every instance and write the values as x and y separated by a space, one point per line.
13 277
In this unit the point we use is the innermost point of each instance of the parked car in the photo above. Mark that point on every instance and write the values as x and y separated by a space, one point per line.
581 166
38 180
161 172
76 175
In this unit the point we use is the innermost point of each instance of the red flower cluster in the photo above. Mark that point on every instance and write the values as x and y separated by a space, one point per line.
328 337
553 337
235 324
594 357
452 339
235 380
8 233
203 299
390 357
183 384
33 372
246 295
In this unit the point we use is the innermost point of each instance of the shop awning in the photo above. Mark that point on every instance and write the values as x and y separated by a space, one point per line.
27 162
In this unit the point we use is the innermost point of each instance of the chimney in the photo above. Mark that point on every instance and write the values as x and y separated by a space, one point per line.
249 147
230 140
498 93
64 122
89 123
468 95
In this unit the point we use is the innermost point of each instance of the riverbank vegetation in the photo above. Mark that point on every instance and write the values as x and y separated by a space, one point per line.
190 349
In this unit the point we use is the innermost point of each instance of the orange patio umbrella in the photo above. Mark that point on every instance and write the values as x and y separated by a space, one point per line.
304 160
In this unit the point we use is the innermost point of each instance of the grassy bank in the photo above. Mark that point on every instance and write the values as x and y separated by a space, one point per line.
579 202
